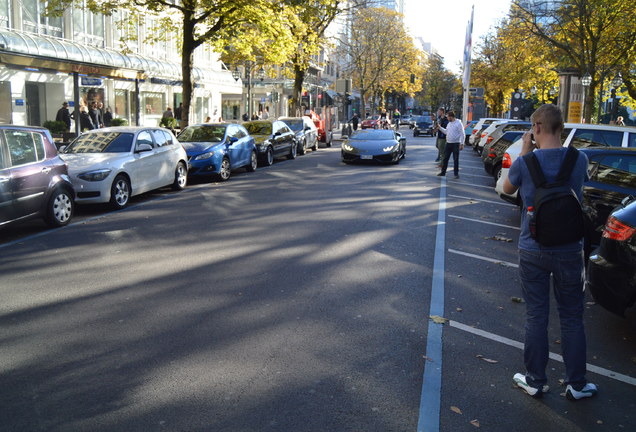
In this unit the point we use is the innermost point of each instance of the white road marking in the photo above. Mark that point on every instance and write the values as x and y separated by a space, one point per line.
483 200
516 344
503 263
483 222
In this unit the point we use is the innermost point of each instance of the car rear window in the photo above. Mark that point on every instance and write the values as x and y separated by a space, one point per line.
619 170
597 138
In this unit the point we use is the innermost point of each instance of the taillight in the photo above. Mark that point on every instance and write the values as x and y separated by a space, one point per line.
617 230
492 155
489 140
483 134
475 131
506 162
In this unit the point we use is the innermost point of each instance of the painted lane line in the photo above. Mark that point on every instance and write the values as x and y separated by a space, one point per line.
483 200
516 344
503 263
430 400
472 185
475 175
483 222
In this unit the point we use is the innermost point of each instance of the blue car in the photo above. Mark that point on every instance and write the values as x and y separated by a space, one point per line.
216 149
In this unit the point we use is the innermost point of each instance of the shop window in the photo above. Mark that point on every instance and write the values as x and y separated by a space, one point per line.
5 102
152 103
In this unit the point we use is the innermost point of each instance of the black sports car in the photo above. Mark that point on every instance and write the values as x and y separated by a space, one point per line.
379 145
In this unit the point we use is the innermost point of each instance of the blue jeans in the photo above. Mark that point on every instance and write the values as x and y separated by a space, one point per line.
536 269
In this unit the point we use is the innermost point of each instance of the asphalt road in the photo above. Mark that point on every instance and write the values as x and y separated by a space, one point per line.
295 298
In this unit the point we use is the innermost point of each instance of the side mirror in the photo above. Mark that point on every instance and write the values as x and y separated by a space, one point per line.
277 133
143 148
232 140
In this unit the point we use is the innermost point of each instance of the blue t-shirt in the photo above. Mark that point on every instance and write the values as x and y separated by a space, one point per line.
550 161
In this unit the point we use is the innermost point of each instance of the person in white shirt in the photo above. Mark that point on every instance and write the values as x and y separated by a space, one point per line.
454 142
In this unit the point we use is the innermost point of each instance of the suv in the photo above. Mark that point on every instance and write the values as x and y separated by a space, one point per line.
481 124
492 157
497 129
34 181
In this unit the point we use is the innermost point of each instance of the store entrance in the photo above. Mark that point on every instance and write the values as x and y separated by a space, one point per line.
35 103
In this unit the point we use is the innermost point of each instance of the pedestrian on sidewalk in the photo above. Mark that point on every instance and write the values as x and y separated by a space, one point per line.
441 137
542 268
454 142
63 115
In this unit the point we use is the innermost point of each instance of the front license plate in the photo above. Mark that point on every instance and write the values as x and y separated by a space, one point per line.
366 156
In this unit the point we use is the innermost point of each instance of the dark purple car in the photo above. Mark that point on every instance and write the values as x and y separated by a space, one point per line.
34 181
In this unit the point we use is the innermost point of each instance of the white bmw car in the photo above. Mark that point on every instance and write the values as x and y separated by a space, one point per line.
111 165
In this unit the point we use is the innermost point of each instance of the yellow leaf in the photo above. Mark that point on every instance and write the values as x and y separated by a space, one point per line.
438 319
475 423
456 410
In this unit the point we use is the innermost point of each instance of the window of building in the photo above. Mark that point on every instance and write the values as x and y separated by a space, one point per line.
4 14
34 19
87 26
152 103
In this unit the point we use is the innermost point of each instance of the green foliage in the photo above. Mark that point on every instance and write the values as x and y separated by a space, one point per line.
56 127
168 122
118 121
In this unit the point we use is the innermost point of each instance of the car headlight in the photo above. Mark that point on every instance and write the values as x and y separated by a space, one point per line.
97 175
347 147
390 148
202 156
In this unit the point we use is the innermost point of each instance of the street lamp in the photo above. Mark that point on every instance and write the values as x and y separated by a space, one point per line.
261 74
236 74
615 83
585 81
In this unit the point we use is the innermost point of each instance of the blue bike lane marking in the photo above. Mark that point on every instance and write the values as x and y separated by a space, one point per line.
430 399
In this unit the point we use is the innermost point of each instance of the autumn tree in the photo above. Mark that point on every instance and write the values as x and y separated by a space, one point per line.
439 84
591 36
379 54
197 22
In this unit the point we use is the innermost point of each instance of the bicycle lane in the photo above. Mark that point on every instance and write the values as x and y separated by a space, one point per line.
475 286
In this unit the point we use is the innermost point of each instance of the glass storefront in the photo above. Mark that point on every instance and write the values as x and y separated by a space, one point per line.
5 102
121 104
153 103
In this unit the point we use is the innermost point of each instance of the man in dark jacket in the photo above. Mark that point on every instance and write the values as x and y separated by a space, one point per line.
63 115
96 116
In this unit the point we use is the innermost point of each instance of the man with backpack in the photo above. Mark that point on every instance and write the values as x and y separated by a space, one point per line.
550 182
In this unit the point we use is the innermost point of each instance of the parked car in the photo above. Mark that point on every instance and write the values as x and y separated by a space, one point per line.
492 158
218 149
423 126
611 273
497 129
381 145
34 180
468 130
579 135
481 124
111 165
274 139
371 122
306 132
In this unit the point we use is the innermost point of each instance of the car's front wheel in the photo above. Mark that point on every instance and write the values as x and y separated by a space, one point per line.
59 209
315 147
120 192
302 147
225 171
180 177
251 167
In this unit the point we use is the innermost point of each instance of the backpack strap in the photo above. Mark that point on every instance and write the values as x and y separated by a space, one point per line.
571 156
538 178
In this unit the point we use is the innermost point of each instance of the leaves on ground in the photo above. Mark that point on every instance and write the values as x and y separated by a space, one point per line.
487 360
499 238
438 319
517 299
475 423
456 410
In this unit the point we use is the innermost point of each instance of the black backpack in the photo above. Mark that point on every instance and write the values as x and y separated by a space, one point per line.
558 217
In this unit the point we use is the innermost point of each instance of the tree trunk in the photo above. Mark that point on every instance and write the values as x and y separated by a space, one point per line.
295 102
189 45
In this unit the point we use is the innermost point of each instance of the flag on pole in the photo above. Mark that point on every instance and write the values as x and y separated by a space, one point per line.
467 50
466 78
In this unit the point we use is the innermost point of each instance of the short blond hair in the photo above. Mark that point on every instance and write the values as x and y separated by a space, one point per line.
550 116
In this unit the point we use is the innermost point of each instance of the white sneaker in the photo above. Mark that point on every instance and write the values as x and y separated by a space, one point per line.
588 390
520 381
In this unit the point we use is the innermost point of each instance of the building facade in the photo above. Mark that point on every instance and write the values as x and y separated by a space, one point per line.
80 58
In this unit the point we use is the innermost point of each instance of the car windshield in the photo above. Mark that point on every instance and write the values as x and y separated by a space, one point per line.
372 135
375 117
260 128
295 125
202 133
107 142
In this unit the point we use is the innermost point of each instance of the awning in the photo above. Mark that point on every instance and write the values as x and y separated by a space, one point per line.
37 52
